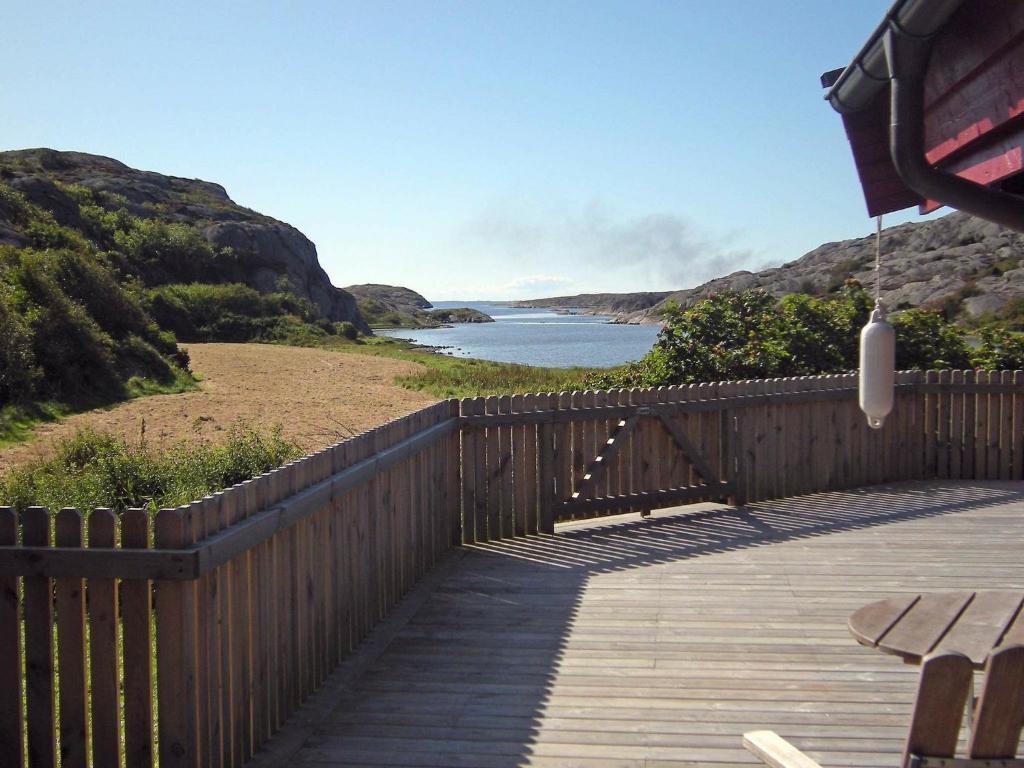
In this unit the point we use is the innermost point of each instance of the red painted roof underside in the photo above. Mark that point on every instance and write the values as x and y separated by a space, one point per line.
974 108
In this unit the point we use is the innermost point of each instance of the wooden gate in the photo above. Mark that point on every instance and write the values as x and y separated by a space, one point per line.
531 461
650 453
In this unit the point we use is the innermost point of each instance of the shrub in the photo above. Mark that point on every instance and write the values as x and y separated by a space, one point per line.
19 374
347 330
233 312
925 340
748 334
1000 350
161 252
76 355
46 233
71 332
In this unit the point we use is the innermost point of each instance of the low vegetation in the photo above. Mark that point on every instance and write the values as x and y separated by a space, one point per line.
198 312
100 470
749 335
445 376
72 334
378 314
92 314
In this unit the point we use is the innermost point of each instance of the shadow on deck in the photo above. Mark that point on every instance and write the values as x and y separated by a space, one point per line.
657 642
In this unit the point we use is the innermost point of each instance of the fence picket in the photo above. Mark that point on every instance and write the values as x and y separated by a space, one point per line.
992 460
519 487
12 740
73 737
505 470
176 635
40 702
136 613
1017 462
103 656
956 425
531 477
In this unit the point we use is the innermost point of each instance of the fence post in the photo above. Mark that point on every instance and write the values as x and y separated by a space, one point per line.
454 479
731 454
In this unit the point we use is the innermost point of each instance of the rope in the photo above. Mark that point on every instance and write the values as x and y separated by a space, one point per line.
878 260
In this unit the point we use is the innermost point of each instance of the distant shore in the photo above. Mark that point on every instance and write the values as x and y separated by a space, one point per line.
622 308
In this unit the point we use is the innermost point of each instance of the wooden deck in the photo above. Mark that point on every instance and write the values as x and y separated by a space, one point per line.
632 643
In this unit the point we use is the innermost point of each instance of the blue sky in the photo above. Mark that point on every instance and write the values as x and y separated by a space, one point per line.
470 149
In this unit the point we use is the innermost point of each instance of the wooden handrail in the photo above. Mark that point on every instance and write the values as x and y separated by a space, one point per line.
689 406
562 415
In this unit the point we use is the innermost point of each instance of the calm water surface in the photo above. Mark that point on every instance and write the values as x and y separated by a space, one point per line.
536 337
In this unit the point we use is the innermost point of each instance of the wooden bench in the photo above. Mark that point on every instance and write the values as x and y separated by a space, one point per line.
942 695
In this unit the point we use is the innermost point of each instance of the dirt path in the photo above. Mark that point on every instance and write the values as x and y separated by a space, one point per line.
316 395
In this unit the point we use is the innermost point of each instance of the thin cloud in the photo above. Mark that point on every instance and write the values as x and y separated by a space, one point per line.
536 282
610 252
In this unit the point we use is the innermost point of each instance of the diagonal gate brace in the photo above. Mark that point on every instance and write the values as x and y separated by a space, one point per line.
597 467
688 450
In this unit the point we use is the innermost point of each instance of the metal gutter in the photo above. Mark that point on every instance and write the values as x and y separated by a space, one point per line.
868 73
908 62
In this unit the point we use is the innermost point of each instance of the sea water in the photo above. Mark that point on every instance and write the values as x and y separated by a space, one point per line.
535 337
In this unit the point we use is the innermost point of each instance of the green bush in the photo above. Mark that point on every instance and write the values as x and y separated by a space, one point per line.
162 252
748 334
925 340
100 470
1000 350
19 374
46 233
744 335
13 206
72 333
234 312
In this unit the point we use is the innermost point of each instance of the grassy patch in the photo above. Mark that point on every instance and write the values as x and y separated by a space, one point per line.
95 469
445 376
18 420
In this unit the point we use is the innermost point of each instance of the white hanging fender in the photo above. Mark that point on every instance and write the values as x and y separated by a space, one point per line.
877 368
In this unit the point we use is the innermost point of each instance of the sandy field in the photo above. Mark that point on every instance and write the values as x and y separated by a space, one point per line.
317 396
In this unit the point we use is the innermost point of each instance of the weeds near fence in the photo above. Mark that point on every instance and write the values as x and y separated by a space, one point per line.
96 469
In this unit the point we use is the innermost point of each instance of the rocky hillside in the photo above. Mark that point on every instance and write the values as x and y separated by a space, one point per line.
376 300
253 249
969 268
460 315
392 306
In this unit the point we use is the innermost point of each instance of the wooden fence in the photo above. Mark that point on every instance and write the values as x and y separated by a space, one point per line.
186 638
191 635
530 461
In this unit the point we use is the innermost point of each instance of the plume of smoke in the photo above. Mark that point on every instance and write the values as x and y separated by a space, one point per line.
606 251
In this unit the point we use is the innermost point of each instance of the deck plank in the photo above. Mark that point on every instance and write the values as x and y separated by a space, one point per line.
656 644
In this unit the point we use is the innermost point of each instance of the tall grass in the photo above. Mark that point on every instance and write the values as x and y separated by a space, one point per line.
472 378
95 469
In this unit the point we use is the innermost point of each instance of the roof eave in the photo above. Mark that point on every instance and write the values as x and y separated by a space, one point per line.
868 73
